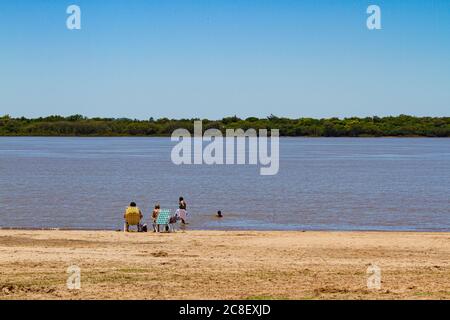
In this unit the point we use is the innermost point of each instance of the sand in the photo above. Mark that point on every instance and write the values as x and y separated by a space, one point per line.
224 265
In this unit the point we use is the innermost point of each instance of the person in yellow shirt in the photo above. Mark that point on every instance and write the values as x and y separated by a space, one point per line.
132 216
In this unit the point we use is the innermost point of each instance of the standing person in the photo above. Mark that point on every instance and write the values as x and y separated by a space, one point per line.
155 214
181 212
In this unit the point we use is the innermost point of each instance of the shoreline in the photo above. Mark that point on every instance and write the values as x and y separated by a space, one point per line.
281 137
232 230
201 264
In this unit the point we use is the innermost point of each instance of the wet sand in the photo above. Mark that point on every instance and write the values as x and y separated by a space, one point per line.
224 265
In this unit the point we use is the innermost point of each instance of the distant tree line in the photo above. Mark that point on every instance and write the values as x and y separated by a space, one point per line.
78 125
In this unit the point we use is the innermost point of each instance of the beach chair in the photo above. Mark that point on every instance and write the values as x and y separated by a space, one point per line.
133 218
164 220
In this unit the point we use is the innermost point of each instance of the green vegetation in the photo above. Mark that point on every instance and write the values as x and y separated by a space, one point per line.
78 125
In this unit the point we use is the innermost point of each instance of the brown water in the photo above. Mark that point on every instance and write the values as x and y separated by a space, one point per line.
323 183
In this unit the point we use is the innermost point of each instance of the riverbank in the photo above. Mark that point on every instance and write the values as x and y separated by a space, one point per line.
78 125
224 265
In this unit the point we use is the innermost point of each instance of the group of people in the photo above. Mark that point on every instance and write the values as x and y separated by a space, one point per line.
133 209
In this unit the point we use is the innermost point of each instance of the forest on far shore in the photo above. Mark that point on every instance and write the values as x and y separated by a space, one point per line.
78 125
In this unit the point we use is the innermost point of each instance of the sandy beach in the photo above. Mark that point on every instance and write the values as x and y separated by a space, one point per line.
224 265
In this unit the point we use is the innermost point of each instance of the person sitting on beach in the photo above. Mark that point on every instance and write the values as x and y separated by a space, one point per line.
155 214
130 215
181 212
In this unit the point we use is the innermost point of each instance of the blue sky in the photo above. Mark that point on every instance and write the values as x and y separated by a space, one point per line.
183 59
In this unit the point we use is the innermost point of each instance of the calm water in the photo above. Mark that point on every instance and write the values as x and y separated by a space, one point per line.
345 184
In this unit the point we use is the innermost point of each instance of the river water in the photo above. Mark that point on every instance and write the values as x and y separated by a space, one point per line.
322 184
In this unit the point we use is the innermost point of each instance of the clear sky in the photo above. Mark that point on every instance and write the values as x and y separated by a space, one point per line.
186 58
